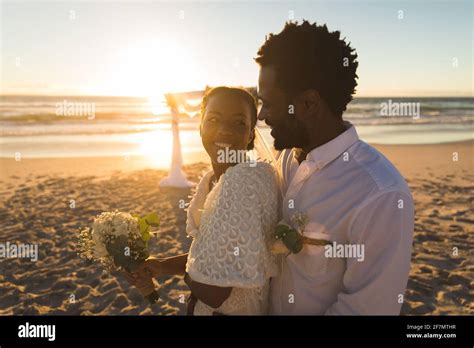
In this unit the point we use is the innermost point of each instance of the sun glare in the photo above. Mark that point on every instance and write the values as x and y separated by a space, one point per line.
155 146
153 67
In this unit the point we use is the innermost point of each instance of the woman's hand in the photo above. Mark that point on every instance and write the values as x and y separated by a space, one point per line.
142 278
152 267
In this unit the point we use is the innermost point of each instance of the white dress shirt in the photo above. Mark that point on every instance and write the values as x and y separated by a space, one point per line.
354 197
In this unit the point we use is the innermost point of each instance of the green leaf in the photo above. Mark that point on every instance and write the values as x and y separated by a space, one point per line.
139 244
298 245
281 231
117 250
293 241
146 235
143 226
152 219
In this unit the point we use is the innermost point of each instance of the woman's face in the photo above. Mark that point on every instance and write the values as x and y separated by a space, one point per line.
227 122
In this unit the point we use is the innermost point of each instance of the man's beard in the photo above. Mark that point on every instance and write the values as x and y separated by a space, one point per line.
293 135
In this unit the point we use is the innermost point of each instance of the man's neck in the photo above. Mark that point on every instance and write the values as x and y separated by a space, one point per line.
329 132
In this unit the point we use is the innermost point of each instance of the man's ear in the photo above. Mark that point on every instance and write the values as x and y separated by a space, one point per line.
312 100
307 103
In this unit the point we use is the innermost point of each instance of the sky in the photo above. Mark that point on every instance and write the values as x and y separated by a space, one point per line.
147 48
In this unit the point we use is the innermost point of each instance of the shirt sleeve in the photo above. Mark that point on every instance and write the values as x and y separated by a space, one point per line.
376 284
231 250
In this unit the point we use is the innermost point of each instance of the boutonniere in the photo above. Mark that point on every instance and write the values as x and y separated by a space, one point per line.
290 240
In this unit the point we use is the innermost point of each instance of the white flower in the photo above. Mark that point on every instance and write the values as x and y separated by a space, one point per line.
100 250
109 225
301 220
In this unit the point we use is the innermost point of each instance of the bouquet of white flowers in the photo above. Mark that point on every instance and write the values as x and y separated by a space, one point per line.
119 241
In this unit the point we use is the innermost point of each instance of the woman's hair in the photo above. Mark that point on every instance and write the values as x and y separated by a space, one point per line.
235 92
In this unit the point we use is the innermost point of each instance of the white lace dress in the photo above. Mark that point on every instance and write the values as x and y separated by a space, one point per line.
232 230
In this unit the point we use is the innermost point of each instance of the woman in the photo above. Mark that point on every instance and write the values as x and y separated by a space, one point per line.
231 216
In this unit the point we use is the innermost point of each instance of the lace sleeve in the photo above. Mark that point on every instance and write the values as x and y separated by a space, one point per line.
231 249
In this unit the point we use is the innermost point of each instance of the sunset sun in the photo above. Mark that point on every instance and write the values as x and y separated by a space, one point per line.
153 67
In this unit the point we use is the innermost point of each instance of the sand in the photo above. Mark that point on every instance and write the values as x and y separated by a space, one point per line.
441 279
36 207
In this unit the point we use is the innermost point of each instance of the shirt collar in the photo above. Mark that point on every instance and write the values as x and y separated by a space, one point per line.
326 153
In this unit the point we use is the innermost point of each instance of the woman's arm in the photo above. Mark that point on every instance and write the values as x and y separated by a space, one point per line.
174 265
213 296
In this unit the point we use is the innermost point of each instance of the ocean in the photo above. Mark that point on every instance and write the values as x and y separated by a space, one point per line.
71 126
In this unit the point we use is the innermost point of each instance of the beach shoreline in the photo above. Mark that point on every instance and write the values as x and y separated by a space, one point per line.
422 156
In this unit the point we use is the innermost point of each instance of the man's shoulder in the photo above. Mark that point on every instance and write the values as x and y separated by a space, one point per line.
381 170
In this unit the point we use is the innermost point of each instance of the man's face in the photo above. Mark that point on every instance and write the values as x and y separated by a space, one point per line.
287 130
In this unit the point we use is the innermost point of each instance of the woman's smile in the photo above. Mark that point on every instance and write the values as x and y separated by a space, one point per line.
223 145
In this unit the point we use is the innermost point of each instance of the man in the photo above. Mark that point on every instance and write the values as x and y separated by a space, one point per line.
353 197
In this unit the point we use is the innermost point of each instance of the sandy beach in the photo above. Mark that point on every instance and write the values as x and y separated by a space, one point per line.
45 201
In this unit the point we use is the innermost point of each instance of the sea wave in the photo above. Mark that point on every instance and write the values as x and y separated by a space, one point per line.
36 115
